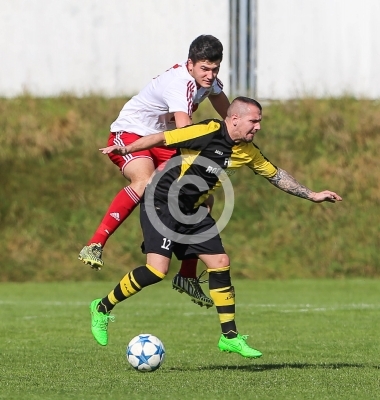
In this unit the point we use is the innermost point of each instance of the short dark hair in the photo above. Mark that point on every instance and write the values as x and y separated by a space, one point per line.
206 47
236 106
248 100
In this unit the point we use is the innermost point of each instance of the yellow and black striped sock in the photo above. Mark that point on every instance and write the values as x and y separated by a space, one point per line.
223 295
131 284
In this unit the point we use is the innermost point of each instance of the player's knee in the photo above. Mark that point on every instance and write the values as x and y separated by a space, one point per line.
224 261
139 172
161 270
219 261
139 186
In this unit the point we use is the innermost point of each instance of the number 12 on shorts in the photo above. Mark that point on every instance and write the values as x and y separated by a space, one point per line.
166 244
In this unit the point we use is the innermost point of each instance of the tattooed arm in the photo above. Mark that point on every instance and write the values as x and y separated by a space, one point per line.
288 184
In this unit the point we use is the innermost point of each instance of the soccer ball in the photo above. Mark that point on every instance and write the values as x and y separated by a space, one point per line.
145 352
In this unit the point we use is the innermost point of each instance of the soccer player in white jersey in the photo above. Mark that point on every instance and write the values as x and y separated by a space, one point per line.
166 103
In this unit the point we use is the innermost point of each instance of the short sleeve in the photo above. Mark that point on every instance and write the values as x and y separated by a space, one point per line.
260 164
195 137
179 96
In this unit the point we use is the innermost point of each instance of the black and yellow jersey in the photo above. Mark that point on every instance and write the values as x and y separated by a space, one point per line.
204 151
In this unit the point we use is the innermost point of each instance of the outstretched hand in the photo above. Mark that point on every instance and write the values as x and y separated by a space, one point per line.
326 195
120 150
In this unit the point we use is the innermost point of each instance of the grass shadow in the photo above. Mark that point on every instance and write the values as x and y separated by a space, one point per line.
269 367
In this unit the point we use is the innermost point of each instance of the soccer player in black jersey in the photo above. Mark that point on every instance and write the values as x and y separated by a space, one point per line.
174 219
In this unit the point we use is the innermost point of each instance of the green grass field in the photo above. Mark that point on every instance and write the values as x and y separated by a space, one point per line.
320 340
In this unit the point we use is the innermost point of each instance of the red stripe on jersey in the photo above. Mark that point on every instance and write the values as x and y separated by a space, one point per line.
175 66
219 83
189 95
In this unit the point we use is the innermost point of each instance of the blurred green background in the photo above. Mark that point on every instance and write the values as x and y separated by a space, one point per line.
56 186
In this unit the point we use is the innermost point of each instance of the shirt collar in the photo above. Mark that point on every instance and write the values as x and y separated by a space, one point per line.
225 134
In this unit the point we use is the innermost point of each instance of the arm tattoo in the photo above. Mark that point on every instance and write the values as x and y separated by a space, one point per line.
288 184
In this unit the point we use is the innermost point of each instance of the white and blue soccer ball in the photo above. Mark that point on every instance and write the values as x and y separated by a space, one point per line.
145 352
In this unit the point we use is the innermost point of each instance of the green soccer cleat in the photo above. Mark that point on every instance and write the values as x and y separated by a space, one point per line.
238 345
192 287
99 323
92 255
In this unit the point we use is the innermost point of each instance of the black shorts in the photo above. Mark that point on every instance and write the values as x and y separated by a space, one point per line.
184 240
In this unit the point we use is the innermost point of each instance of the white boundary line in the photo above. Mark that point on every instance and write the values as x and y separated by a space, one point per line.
283 308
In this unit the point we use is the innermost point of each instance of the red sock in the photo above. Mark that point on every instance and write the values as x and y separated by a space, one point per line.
189 268
122 205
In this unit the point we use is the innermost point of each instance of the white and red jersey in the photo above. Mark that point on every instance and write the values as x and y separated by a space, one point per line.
152 110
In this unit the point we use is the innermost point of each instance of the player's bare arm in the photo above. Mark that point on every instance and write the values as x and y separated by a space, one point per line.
144 143
220 103
288 184
182 119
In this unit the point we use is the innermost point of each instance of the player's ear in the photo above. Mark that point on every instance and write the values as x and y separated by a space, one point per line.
190 65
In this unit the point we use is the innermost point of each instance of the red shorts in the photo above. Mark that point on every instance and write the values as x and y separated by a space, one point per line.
159 155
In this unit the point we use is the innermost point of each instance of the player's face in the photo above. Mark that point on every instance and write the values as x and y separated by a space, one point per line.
249 123
204 72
